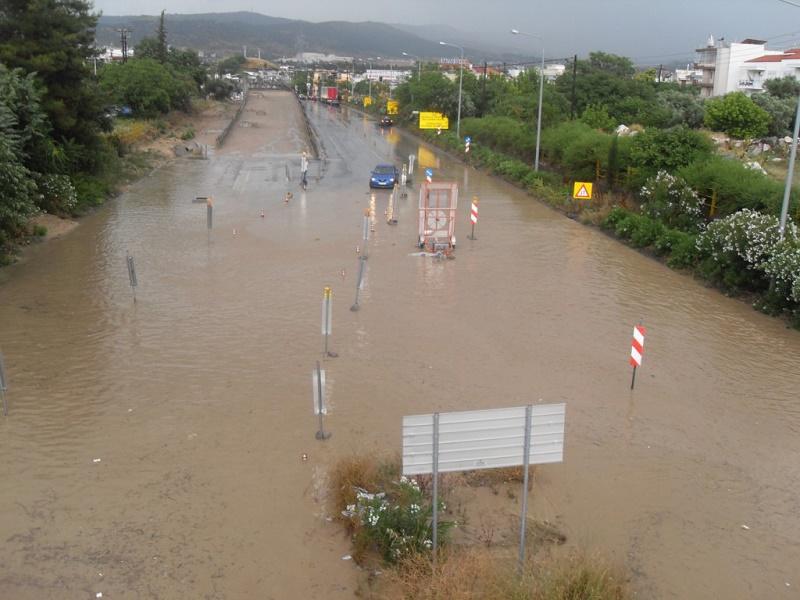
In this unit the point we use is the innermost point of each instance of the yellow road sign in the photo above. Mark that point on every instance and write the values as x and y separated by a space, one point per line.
367 101
582 190
433 120
426 158
392 107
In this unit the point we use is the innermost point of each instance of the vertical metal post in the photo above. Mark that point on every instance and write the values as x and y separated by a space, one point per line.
320 408
131 274
435 525
790 174
539 114
365 250
526 464
633 377
3 385
359 280
209 214
327 319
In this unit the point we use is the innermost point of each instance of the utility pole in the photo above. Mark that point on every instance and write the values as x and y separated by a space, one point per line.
123 39
574 107
660 69
483 91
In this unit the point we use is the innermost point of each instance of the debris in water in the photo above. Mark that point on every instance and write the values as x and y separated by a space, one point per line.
745 527
343 274
347 557
96 460
262 214
98 595
304 457
234 232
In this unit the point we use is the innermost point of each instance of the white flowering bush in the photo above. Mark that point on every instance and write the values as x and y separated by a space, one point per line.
397 522
784 266
57 194
737 250
672 201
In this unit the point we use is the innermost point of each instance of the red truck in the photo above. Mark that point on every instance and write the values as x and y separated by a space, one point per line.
329 94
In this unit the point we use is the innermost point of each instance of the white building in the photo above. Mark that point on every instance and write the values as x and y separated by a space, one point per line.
392 76
318 57
551 72
756 71
725 67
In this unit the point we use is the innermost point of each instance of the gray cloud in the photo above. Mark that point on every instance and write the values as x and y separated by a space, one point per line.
650 31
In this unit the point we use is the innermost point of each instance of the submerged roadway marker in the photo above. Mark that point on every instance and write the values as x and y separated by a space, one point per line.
132 274
637 350
320 408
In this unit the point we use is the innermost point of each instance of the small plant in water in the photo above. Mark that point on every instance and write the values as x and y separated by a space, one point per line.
397 522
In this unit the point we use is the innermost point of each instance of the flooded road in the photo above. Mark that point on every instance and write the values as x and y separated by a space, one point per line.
196 399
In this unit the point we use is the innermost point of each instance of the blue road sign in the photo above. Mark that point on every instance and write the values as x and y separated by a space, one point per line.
468 139
428 172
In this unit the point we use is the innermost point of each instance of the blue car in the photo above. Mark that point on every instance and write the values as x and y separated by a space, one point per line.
384 176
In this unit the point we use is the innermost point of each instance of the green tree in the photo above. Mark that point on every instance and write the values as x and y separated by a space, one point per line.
737 115
147 86
54 39
783 87
681 106
597 117
669 149
161 37
147 47
781 111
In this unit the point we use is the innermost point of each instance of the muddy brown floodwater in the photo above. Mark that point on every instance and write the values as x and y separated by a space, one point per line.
153 450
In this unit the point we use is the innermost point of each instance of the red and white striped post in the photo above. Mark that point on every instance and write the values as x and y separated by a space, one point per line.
637 349
473 216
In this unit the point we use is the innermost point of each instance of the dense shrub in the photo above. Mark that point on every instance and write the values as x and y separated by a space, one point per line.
56 194
737 249
737 115
397 521
505 134
737 186
669 149
671 200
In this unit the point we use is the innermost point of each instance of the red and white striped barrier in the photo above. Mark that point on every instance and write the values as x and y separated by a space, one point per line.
637 346
637 350
473 213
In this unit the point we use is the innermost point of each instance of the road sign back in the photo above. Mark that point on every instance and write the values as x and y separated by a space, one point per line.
582 190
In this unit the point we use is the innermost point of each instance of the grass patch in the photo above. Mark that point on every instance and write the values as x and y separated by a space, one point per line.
471 574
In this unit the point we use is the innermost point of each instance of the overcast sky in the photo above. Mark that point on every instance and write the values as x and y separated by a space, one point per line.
649 31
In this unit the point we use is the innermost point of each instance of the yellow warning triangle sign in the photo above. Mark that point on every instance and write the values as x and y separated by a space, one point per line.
582 190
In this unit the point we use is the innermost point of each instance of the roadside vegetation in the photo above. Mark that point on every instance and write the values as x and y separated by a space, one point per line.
665 182
388 519
64 147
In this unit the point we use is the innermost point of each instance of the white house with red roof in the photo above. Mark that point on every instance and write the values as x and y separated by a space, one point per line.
725 67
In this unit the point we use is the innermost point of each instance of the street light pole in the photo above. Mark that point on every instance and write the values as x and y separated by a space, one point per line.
541 90
460 81
787 191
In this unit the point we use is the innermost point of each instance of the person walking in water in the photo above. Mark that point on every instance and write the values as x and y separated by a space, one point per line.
304 170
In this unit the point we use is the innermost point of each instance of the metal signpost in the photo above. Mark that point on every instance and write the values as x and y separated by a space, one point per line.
320 408
3 385
483 439
327 319
429 175
411 159
209 214
132 274
467 142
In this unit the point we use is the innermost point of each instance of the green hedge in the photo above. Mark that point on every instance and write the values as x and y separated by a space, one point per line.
737 186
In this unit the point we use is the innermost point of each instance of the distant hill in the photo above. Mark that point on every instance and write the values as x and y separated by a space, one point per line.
226 33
